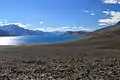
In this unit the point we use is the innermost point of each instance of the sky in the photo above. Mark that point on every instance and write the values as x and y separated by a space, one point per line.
61 15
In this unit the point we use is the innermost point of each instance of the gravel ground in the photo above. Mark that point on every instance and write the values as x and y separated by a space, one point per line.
82 65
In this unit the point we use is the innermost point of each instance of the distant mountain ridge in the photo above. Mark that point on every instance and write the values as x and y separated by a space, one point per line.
15 30
75 33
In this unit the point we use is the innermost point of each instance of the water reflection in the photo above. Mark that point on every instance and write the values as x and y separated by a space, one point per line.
8 40
19 40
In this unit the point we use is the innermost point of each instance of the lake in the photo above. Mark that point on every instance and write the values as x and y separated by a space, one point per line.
35 39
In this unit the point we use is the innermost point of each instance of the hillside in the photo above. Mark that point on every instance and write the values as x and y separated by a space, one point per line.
4 33
107 37
75 33
107 32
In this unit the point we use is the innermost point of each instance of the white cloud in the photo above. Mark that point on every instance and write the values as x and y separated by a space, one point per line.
113 17
41 22
86 11
52 29
111 1
91 12
5 22
21 25
106 12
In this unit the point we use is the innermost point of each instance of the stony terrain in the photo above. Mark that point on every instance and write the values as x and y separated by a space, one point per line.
59 63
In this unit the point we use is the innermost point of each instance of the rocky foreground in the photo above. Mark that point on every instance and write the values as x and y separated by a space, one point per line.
74 65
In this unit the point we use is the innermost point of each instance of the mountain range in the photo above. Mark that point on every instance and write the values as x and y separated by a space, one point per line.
14 30
75 33
107 32
105 38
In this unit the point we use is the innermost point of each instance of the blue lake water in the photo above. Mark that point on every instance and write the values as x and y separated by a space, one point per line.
35 39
